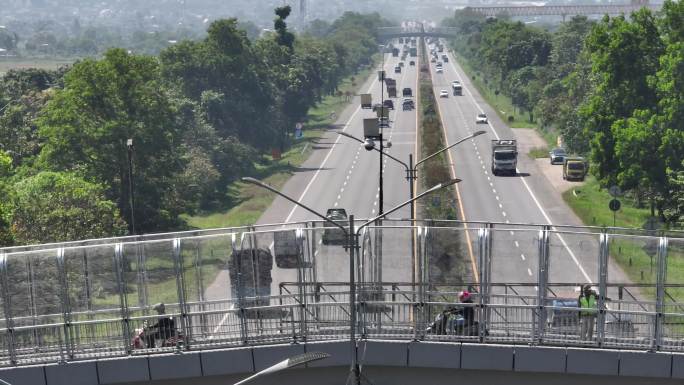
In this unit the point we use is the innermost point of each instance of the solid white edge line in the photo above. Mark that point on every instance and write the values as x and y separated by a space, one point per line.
534 198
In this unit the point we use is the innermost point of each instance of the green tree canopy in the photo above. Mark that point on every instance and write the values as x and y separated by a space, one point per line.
54 207
87 124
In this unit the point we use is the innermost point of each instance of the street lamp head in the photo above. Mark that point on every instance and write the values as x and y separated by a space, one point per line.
478 133
368 144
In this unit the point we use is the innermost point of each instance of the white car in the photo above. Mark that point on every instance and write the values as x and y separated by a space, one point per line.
481 118
443 94
440 70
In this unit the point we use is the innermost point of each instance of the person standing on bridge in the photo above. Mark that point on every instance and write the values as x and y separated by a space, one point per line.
587 303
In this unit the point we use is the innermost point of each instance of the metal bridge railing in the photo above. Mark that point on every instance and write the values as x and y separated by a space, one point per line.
288 283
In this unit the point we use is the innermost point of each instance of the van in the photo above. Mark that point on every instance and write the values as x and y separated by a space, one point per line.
575 168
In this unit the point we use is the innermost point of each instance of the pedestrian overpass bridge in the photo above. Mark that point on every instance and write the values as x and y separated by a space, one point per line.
397 32
246 298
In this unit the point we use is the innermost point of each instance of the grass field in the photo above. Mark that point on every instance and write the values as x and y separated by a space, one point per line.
8 63
636 255
255 200
591 205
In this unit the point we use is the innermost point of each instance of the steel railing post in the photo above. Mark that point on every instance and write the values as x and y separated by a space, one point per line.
483 300
659 320
119 257
66 308
7 308
242 316
538 330
301 282
604 251
179 267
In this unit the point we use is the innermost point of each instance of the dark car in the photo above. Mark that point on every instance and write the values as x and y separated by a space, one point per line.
333 234
407 92
389 104
397 69
407 105
557 155
412 63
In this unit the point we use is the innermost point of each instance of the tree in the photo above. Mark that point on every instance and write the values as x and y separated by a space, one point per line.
57 207
622 84
6 237
87 124
284 37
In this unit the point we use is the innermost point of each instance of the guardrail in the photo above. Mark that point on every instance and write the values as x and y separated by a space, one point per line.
286 283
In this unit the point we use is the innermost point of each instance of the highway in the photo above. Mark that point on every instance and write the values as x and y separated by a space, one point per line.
340 173
526 197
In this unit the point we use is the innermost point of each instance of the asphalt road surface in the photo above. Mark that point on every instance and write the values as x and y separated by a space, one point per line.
526 197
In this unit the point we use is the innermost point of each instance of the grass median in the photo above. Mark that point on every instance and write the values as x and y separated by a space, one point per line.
447 256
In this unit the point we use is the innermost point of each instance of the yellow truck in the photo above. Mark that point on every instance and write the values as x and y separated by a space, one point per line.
575 168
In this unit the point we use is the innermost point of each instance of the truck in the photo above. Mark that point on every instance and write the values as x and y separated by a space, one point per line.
504 156
413 52
366 101
391 87
575 168
457 87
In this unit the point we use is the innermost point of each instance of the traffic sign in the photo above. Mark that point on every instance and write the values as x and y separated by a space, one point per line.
614 204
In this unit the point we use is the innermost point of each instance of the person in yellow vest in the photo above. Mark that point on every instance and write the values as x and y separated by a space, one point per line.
587 302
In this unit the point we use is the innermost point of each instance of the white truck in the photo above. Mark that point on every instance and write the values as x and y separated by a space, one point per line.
504 156
366 101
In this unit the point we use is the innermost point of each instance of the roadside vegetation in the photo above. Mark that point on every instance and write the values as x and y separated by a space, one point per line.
447 256
582 81
199 116
252 201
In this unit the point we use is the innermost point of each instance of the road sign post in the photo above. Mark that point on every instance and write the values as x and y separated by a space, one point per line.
614 206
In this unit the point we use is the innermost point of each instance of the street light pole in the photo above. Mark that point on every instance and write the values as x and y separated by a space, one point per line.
352 235
291 362
131 199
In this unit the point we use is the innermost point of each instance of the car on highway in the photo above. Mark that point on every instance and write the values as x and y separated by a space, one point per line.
481 118
443 94
440 70
558 155
334 235
388 103
433 60
401 64
412 63
407 104
383 122
406 92
397 69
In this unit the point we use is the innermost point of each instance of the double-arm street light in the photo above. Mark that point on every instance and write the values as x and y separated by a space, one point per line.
351 234
410 168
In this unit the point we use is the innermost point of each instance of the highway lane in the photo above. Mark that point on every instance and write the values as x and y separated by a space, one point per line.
525 198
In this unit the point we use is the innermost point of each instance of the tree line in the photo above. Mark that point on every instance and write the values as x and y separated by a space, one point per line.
176 129
611 88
